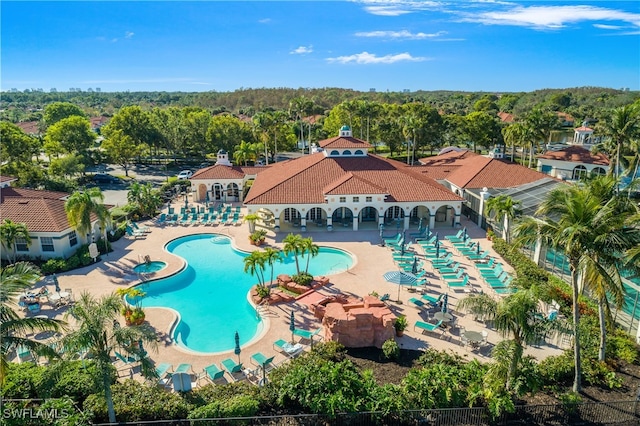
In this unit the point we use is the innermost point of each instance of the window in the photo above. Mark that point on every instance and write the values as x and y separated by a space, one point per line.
47 244
579 172
343 199
334 153
358 152
21 244
369 199
346 152
73 239
356 199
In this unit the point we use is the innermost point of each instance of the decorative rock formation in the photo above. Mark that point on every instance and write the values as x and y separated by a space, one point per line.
358 325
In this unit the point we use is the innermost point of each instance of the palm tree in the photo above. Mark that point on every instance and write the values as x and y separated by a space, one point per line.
503 208
144 197
513 316
272 256
242 153
515 135
576 221
254 264
83 208
15 280
310 250
293 245
622 127
99 334
10 232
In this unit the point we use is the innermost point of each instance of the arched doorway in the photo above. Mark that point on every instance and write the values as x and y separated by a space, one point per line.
369 214
218 192
579 172
315 215
342 215
233 192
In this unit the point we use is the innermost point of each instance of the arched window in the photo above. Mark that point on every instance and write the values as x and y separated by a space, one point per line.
334 153
358 152
346 152
579 172
598 171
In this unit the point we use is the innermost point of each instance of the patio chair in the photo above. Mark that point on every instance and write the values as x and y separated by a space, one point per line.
234 369
133 233
385 297
456 276
260 360
422 306
182 382
394 240
306 334
457 284
136 227
427 326
287 348
161 219
205 219
211 372
458 237
434 301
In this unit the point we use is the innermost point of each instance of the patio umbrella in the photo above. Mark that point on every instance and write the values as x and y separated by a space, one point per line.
292 325
401 278
414 267
237 350
445 300
55 283
478 248
402 248
420 226
437 249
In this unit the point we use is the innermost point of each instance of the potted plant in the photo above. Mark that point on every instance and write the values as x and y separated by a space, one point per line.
257 237
490 234
251 220
133 314
400 325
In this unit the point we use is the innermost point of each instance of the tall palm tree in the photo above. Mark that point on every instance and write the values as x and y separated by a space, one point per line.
515 135
503 208
272 256
574 220
83 208
293 245
15 280
99 334
145 197
254 264
622 127
513 317
310 250
10 232
242 153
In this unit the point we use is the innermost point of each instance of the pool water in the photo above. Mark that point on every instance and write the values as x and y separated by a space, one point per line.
211 292
149 268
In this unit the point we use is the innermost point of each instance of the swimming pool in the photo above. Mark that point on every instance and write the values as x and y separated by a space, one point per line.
210 294
150 267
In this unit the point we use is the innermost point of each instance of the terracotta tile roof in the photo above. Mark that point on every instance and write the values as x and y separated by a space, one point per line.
350 184
4 179
38 214
584 129
469 170
576 154
565 117
219 171
505 117
33 193
98 121
305 181
254 170
344 142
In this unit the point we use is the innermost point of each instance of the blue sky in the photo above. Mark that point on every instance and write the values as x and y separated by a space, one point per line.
383 44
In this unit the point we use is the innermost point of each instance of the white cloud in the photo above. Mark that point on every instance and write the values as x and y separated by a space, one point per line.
386 10
404 34
129 34
608 27
372 58
302 50
264 20
398 7
551 17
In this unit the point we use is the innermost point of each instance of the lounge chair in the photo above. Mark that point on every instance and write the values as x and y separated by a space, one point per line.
234 369
287 348
458 237
194 219
212 372
394 240
163 369
161 219
453 269
138 228
235 219
260 360
133 233
184 219
427 326
419 304
456 276
458 283
433 300
205 219
125 362
182 382
479 257
306 334
385 297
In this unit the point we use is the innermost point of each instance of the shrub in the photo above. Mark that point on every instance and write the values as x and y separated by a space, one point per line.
621 346
236 406
390 349
76 379
556 369
23 380
303 278
330 351
53 265
135 401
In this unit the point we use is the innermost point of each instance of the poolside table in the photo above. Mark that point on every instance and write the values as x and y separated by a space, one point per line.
443 316
473 337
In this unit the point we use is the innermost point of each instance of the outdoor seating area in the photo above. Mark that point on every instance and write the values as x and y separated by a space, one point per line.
219 214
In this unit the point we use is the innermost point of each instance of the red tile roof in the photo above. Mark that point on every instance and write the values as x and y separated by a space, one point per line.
505 117
98 121
584 129
308 179
4 179
576 154
466 169
41 211
344 142
218 171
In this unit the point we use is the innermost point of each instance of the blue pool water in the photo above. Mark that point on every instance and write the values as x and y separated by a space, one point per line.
148 268
211 292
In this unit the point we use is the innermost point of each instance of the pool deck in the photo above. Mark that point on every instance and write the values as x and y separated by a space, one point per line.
114 271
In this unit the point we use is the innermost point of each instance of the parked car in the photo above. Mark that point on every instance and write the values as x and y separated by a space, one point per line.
185 174
105 178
